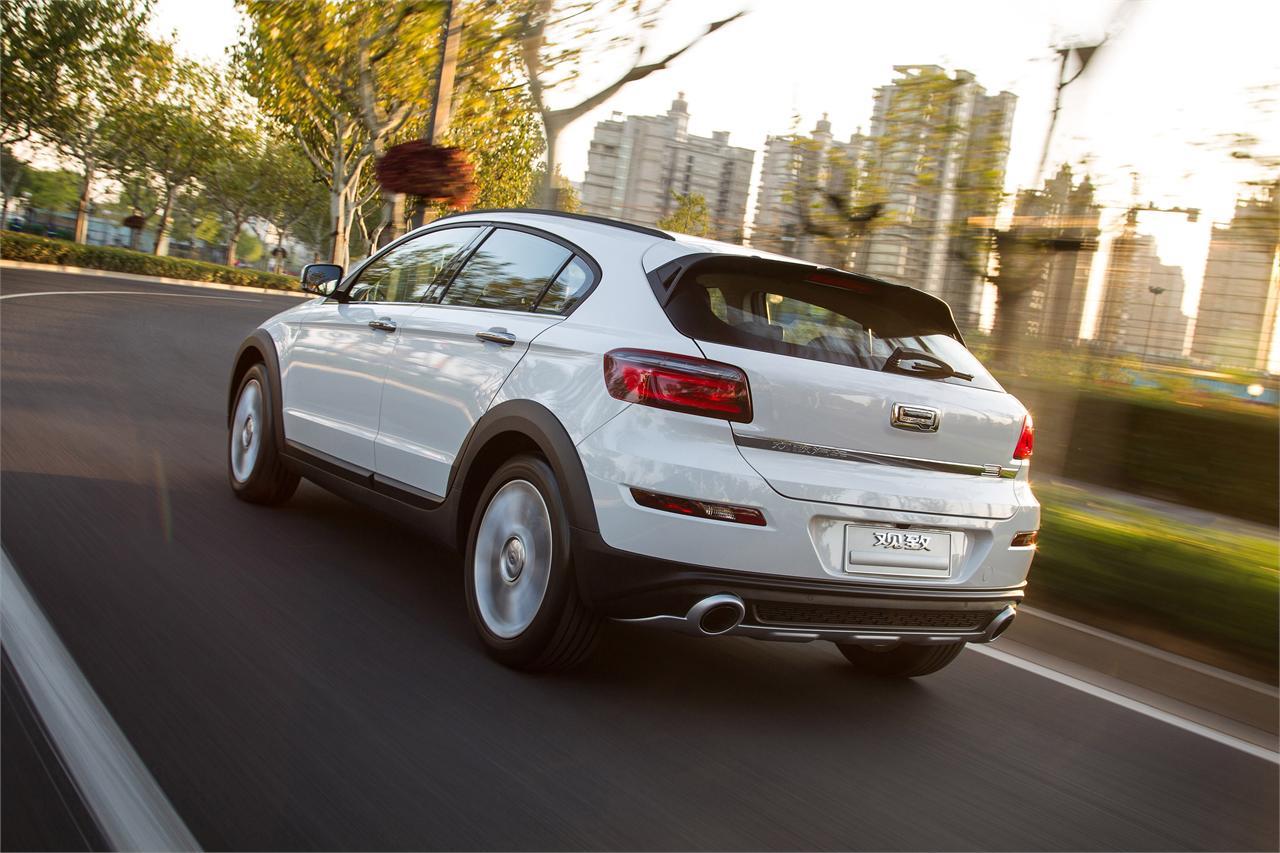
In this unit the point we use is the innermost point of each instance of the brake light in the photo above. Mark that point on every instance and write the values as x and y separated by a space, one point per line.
1026 440
699 509
679 383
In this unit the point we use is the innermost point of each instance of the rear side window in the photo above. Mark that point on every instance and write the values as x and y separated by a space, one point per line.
405 273
510 270
834 319
567 290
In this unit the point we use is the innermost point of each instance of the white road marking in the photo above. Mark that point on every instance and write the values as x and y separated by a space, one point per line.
84 272
124 293
1131 704
119 791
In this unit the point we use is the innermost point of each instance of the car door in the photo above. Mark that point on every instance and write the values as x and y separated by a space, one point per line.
334 369
455 353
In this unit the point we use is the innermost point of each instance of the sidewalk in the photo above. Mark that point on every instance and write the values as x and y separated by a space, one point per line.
1220 700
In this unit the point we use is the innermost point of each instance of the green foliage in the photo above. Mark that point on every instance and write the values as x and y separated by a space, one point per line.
57 190
1127 566
689 217
43 250
248 247
57 59
503 136
1221 460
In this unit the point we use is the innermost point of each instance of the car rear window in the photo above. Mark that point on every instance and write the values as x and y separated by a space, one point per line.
822 317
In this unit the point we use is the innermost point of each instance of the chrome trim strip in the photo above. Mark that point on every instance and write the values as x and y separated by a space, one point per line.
782 445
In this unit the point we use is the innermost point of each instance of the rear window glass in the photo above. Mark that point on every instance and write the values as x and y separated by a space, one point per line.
859 324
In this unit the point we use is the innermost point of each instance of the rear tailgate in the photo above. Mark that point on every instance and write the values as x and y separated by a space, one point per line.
829 423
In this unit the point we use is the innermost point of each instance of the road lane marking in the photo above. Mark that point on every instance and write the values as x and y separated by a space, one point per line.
125 293
85 272
1131 704
118 790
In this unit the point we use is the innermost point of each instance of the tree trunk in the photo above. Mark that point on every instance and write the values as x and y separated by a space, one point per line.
231 244
392 227
135 238
550 198
82 207
339 236
166 222
1009 327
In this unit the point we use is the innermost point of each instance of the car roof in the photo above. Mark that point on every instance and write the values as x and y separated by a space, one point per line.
657 245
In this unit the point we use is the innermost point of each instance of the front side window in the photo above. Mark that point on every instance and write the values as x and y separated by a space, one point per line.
509 271
406 273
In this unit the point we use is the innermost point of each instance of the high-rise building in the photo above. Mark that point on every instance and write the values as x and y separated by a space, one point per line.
1236 319
793 207
1141 312
637 164
1064 218
939 150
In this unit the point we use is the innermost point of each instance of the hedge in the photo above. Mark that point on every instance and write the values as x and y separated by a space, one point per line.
46 250
1116 566
1225 461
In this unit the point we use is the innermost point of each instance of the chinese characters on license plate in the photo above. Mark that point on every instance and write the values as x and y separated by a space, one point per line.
891 551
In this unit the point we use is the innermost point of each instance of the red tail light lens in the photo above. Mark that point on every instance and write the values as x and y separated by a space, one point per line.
1025 441
699 509
679 383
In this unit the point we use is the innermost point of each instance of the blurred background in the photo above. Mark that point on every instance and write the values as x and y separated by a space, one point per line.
1094 187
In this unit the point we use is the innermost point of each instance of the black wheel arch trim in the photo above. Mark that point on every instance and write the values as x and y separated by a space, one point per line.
537 423
259 347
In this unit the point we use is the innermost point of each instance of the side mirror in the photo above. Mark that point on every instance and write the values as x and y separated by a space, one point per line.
322 279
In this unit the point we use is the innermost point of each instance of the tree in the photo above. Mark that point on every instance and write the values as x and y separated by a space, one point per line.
64 63
344 77
551 34
689 217
55 55
294 195
169 137
238 181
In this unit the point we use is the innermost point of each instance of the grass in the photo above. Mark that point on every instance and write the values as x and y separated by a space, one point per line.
1213 587
46 250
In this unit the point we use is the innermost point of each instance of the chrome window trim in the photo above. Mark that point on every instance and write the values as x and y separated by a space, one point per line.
782 445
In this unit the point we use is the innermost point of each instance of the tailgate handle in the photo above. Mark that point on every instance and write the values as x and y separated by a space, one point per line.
497 335
915 418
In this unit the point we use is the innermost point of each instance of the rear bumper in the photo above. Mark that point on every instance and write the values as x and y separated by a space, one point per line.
632 587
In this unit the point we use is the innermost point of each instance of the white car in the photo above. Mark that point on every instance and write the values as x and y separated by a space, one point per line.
616 422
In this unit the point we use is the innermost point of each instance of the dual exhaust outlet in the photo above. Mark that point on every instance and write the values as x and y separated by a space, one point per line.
720 614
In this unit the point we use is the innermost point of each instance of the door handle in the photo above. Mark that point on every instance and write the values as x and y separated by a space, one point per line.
497 336
383 324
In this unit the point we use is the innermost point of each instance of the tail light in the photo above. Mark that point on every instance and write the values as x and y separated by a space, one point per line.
1025 441
679 383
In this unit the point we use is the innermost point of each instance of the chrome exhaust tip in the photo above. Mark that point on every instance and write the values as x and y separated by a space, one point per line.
716 614
999 624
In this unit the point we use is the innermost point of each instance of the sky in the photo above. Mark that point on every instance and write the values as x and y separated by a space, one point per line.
1173 76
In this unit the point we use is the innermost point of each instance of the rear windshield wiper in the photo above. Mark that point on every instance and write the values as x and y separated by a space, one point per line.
913 362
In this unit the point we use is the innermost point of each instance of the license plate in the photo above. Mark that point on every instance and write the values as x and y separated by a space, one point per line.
893 551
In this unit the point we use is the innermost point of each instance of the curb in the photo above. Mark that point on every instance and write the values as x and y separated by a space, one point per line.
148 279
1105 659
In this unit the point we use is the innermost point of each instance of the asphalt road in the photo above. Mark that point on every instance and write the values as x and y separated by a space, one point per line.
305 677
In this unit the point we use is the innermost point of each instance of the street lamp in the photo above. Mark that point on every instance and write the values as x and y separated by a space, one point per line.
1154 291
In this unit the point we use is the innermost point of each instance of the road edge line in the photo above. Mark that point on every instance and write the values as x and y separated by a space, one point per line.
121 794
151 279
1131 704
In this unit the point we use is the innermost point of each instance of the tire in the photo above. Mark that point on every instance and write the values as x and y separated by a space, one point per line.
254 465
522 593
901 661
